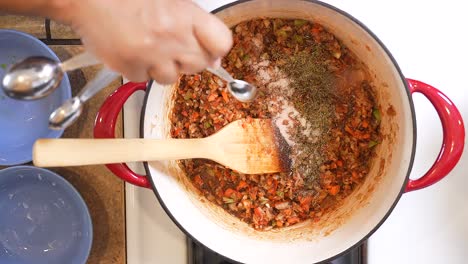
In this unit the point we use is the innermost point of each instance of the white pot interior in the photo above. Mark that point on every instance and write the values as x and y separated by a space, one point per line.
336 232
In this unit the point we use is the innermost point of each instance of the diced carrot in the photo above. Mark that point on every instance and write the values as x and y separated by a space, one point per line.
305 203
293 220
195 115
187 125
279 223
212 97
225 96
184 113
334 190
349 130
305 199
269 180
315 31
354 175
365 136
339 163
241 185
198 180
228 192
274 186
196 77
287 211
176 132
365 124
259 212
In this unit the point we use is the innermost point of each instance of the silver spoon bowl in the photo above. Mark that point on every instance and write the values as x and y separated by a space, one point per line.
37 77
241 90
68 113
32 78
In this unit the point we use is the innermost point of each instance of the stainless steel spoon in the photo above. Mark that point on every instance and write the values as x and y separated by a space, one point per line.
241 90
69 112
37 77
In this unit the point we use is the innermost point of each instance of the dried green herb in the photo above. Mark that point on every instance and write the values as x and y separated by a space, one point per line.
263 200
206 125
376 114
187 96
228 200
280 194
299 22
372 143
312 83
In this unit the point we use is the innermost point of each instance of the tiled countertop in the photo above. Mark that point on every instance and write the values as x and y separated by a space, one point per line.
101 190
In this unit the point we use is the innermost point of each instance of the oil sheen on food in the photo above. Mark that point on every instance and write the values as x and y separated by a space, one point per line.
320 97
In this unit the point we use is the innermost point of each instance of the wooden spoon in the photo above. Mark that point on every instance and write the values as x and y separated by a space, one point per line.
248 146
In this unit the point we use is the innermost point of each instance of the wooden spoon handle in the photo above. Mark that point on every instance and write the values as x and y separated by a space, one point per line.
76 152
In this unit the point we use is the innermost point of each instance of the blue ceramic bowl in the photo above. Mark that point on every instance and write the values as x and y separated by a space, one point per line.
43 219
22 122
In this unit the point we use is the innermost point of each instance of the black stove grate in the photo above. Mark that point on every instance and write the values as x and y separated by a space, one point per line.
199 254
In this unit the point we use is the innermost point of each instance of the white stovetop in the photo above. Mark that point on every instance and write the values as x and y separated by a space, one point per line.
429 41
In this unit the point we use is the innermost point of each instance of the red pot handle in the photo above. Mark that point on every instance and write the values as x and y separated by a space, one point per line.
104 127
453 135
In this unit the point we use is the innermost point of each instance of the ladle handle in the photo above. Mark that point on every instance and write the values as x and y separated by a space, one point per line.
81 60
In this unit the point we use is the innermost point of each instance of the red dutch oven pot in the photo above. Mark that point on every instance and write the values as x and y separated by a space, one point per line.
362 212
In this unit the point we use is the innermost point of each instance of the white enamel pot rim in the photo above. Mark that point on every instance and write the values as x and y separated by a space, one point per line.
371 211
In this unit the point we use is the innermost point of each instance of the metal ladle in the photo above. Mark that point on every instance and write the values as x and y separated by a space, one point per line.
37 77
69 112
241 90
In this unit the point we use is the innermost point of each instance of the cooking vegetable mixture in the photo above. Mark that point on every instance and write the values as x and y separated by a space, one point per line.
320 97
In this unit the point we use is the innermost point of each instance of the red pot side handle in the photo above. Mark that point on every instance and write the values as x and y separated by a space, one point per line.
104 127
453 135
